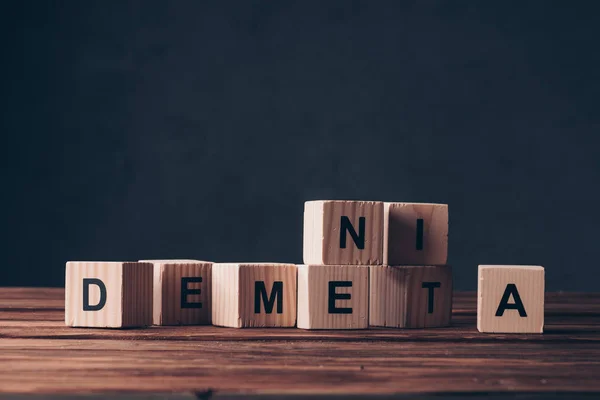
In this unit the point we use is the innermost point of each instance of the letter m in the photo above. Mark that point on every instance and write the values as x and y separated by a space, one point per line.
260 292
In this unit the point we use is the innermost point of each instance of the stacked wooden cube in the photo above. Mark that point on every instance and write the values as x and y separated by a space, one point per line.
366 263
374 263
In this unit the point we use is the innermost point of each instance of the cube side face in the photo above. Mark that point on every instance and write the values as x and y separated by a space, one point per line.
337 297
416 234
429 296
387 296
303 307
185 289
312 249
352 233
510 299
157 297
225 295
93 294
268 295
137 294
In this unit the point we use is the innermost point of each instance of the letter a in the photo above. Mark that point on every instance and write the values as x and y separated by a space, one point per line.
511 288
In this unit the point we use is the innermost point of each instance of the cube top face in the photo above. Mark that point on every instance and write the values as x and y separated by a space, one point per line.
254 295
510 299
182 292
415 234
108 294
176 261
410 296
343 232
333 296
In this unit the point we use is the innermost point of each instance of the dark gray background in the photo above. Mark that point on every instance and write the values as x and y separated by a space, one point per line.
189 129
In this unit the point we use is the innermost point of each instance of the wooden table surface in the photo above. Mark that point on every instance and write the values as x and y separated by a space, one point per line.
39 354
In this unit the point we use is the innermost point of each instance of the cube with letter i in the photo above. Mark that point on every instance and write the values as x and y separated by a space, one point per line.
182 292
108 294
510 299
254 295
415 234
343 232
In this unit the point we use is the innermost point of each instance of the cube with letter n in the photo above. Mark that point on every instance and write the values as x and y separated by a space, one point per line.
343 232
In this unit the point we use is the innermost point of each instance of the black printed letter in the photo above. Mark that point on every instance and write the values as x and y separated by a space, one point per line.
430 286
185 292
346 225
276 293
419 234
511 288
333 296
86 294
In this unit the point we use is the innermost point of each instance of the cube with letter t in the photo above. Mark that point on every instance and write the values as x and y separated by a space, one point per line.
333 296
108 294
410 296
343 232
254 295
510 299
182 292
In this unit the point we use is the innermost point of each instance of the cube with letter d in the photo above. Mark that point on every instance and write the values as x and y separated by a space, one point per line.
108 294
343 232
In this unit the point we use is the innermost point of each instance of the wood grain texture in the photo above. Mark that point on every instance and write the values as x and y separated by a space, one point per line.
173 276
528 289
323 227
400 230
39 354
341 306
400 296
239 288
128 294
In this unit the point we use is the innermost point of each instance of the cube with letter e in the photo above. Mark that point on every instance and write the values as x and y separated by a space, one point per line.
333 296
182 292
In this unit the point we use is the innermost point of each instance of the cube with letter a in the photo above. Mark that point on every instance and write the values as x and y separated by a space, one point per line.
510 299
108 294
343 232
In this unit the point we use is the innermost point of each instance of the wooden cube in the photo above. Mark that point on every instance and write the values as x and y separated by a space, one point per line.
333 297
343 232
510 299
182 292
254 295
410 296
415 234
108 294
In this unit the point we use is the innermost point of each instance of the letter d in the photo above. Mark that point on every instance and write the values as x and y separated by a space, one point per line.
86 294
